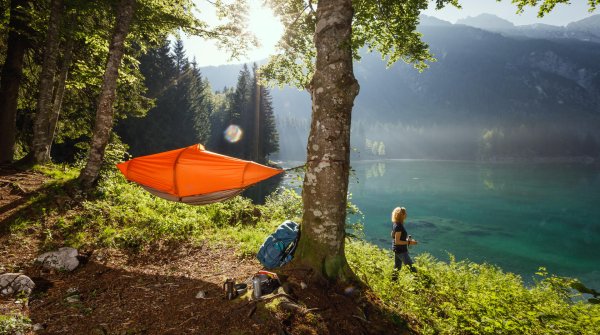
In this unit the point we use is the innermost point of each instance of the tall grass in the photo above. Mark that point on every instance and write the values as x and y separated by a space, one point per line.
468 298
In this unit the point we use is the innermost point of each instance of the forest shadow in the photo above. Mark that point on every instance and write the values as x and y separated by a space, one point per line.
100 299
32 204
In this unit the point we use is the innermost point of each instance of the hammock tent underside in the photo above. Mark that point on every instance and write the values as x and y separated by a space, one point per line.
193 175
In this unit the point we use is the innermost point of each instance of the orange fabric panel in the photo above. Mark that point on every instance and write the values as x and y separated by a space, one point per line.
193 171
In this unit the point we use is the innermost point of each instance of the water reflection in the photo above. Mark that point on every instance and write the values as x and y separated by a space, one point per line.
377 170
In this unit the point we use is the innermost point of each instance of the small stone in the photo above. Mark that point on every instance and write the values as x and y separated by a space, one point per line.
303 285
201 295
73 299
37 327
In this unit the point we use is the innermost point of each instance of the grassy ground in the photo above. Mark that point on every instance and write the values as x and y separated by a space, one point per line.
441 298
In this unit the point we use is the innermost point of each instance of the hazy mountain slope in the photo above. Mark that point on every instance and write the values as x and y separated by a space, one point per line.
587 29
484 76
487 22
482 81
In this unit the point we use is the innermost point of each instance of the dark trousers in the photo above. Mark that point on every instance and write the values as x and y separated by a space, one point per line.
399 258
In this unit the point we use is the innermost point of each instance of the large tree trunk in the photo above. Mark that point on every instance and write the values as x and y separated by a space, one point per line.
41 130
324 195
11 75
104 112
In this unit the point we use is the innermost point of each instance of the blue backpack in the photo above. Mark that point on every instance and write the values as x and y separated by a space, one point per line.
278 249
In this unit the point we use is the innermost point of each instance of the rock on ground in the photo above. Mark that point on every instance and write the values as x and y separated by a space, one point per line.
64 259
11 283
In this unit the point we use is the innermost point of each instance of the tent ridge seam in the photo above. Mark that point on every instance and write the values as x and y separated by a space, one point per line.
244 174
175 188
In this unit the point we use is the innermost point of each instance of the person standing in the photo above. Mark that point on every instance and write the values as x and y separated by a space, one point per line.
401 241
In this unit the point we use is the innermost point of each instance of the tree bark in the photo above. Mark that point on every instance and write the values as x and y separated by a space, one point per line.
11 75
41 130
59 90
104 112
324 195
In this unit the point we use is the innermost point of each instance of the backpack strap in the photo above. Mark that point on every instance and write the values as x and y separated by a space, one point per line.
291 248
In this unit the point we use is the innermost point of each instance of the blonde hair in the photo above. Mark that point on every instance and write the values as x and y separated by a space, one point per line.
397 214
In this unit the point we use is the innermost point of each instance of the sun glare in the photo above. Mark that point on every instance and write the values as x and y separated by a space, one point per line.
266 26
261 22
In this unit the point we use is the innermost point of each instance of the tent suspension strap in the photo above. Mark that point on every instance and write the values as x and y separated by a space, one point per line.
295 168
315 160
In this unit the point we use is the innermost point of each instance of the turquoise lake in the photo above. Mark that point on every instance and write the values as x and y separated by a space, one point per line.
519 216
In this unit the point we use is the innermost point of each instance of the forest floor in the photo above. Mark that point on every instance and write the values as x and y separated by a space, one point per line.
153 291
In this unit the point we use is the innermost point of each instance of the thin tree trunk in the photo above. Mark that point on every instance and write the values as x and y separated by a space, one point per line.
11 75
41 129
333 89
104 112
59 90
257 106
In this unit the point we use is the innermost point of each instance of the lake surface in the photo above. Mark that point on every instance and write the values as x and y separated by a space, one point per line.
519 216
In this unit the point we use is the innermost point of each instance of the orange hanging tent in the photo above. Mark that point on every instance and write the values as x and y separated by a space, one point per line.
193 175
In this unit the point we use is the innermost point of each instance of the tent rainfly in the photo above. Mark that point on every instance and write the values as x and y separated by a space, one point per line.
194 175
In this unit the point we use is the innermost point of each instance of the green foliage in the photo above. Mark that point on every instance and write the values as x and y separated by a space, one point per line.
285 204
354 220
60 173
388 27
90 24
468 298
546 6
14 324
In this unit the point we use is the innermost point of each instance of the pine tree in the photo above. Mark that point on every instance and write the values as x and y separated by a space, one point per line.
238 107
182 130
240 114
201 104
219 119
181 115
268 135
146 135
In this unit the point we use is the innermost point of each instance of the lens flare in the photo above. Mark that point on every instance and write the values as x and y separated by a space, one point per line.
233 133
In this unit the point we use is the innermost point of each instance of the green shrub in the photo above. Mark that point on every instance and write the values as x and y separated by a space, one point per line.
123 214
14 324
285 204
468 298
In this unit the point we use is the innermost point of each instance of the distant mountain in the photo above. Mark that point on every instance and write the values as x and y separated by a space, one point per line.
487 22
587 29
433 21
490 94
222 76
590 25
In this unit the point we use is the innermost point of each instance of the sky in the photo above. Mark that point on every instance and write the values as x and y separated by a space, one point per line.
268 29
